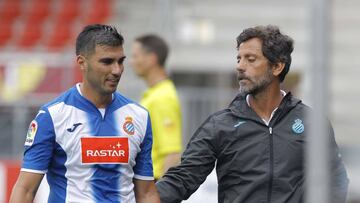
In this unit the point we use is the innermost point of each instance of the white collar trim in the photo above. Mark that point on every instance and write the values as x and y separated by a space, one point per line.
272 113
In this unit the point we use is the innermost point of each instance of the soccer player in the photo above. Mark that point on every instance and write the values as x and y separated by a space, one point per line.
257 142
93 144
149 55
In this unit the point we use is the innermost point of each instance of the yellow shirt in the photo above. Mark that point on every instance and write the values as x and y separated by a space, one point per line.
162 102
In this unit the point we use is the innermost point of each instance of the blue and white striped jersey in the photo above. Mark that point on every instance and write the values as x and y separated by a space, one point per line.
87 156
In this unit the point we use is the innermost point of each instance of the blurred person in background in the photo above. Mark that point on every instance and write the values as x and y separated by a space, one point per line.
149 55
93 143
257 142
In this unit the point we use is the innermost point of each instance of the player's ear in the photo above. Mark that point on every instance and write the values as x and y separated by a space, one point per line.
80 60
278 68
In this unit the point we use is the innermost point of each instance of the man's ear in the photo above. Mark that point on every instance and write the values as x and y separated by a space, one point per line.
153 58
278 68
80 60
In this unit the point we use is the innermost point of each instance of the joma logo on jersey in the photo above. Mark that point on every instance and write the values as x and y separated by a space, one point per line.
105 150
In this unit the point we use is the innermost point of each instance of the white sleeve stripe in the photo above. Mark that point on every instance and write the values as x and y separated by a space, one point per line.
140 177
33 171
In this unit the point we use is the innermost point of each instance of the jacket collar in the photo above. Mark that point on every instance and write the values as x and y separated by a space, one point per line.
240 108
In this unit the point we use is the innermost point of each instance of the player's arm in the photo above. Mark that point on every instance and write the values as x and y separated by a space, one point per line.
38 153
197 161
144 186
145 191
25 188
171 160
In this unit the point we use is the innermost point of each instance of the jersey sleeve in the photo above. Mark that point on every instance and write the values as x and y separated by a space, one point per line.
39 143
166 120
143 169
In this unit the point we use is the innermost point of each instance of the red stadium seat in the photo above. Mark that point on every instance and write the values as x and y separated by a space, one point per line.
99 12
30 35
60 36
69 10
10 10
39 11
6 32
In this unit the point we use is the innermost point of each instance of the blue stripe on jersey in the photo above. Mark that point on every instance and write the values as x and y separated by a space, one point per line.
56 176
106 177
105 183
143 165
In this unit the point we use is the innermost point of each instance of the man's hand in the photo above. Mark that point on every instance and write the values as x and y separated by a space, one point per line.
26 187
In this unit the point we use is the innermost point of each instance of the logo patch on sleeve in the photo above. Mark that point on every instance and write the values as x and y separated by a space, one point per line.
105 150
128 126
30 136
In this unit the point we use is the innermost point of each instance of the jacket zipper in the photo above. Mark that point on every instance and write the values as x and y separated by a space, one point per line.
271 165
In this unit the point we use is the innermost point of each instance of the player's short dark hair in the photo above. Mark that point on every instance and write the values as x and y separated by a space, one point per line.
155 44
276 47
97 34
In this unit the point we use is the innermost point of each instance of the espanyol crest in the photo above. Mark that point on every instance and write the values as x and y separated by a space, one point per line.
298 127
128 126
